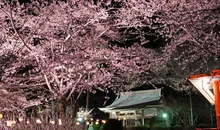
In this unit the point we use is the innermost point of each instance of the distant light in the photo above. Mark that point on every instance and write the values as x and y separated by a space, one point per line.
1 116
164 115
52 122
10 123
96 122
87 123
91 119
20 119
28 122
79 119
124 118
38 121
77 123
59 122
85 118
103 121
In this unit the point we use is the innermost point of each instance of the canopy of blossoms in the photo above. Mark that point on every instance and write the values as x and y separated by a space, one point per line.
53 49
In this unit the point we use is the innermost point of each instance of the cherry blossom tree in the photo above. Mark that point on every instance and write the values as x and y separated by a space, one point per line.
64 47
190 27
72 56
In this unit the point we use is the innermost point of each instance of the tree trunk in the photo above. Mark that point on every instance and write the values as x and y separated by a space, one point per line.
62 107
76 109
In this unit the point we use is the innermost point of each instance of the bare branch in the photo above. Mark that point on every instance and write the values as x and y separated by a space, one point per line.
48 85
13 25
74 87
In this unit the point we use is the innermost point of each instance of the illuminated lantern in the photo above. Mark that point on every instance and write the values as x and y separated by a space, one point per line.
52 122
77 123
59 122
10 123
103 121
38 121
1 116
20 119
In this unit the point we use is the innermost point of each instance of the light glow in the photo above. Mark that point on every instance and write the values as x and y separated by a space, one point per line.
52 122
20 119
1 116
103 121
10 123
59 122
79 119
38 121
164 115
77 123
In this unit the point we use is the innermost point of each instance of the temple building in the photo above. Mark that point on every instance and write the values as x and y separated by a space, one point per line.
135 107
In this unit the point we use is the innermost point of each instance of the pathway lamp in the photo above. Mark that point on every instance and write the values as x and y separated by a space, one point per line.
28 122
1 116
77 123
103 121
164 115
60 122
38 121
52 122
20 119
10 122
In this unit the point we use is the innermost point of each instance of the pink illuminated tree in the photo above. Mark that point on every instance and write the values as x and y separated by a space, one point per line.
64 47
